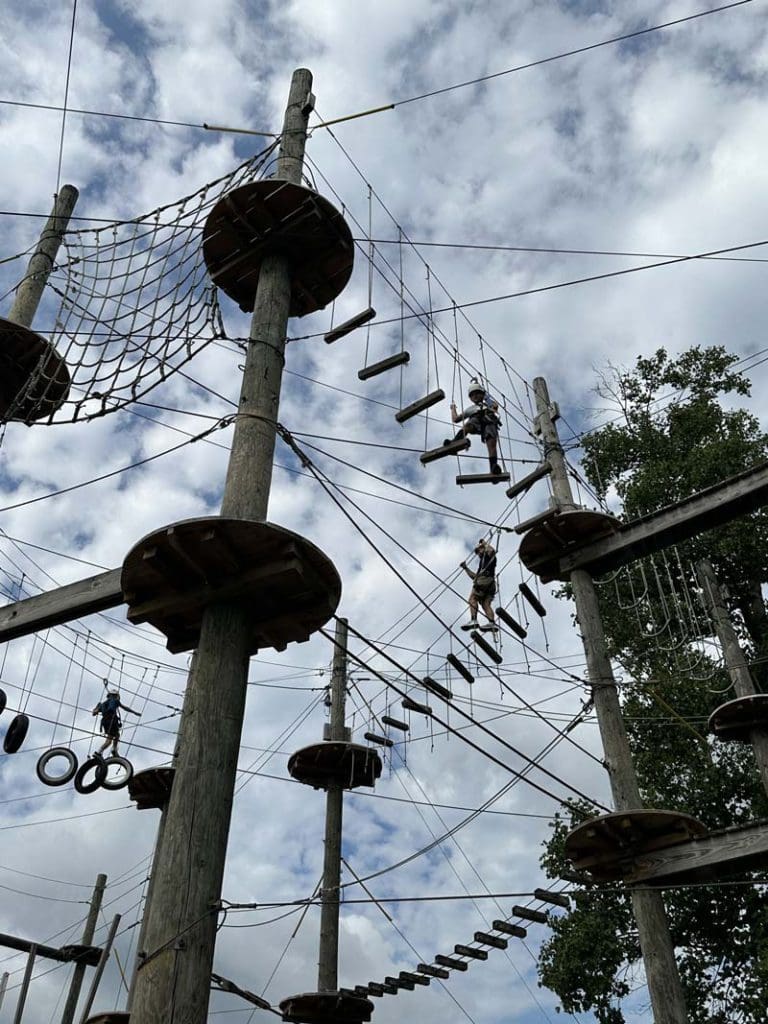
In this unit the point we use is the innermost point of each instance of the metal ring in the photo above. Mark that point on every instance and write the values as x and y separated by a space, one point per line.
56 780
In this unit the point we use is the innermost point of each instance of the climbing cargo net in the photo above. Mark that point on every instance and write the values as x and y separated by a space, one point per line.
135 301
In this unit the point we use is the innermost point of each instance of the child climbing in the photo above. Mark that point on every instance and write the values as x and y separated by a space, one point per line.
479 418
483 587
110 720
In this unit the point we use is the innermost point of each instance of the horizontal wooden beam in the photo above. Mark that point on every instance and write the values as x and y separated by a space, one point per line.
704 858
52 608
734 497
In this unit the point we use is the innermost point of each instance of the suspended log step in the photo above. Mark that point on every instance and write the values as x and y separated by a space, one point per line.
452 448
736 719
433 972
471 952
556 898
461 669
482 478
509 929
537 520
419 406
532 600
526 482
414 705
489 649
513 624
375 988
415 979
438 688
400 983
390 990
361 990
374 369
383 741
491 940
349 325
395 723
451 962
530 915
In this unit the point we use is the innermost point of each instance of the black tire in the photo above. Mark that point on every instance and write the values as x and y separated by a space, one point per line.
16 733
95 764
122 780
3 700
56 780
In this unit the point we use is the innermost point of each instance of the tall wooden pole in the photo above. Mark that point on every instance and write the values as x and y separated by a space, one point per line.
88 931
173 983
22 1001
328 962
141 941
735 662
664 986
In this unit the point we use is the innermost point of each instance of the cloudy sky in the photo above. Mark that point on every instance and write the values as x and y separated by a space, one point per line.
486 198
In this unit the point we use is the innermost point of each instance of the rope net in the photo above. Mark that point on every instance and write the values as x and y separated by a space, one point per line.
135 303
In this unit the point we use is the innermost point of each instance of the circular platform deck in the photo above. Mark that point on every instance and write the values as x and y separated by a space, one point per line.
605 846
274 216
110 1017
543 545
736 719
326 1008
289 587
30 367
335 761
150 789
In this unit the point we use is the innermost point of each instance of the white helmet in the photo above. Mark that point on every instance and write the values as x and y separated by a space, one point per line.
474 387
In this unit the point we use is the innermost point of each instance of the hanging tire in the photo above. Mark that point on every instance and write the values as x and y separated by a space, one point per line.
49 779
123 779
3 701
98 767
16 733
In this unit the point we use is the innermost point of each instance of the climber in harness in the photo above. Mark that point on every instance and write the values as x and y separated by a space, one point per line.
483 587
109 709
481 417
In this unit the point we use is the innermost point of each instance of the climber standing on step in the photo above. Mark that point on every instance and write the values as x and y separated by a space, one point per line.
483 587
481 417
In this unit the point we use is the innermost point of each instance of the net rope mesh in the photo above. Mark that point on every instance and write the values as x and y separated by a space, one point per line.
135 302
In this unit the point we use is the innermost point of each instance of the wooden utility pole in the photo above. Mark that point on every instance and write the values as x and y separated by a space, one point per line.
25 984
328 961
88 931
173 983
735 662
665 988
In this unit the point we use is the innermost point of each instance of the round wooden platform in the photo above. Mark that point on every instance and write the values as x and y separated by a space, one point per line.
275 216
336 761
326 1008
31 367
543 545
736 719
151 789
605 846
110 1017
288 586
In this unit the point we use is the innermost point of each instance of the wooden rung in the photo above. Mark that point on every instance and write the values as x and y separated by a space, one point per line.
522 485
423 403
532 600
515 626
349 325
530 915
375 988
400 983
453 448
383 741
491 940
539 520
374 369
557 898
413 705
361 990
391 990
489 649
451 962
509 929
435 972
470 951
395 723
415 979
482 478
435 687
461 669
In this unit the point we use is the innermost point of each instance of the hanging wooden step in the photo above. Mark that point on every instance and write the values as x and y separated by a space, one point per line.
532 600
435 687
482 478
524 483
349 325
471 952
452 448
491 940
415 979
390 990
461 669
489 649
327 1008
375 988
607 846
419 406
530 915
556 898
361 990
736 719
374 369
414 705
395 723
335 763
451 962
509 929
383 741
515 626
433 972
543 546
400 983
537 520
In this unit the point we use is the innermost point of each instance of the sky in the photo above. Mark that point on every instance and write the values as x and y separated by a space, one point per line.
492 202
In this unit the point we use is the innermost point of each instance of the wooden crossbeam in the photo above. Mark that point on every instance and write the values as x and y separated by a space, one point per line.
73 601
705 857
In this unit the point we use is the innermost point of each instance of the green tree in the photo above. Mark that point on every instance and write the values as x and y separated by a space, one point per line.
675 434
